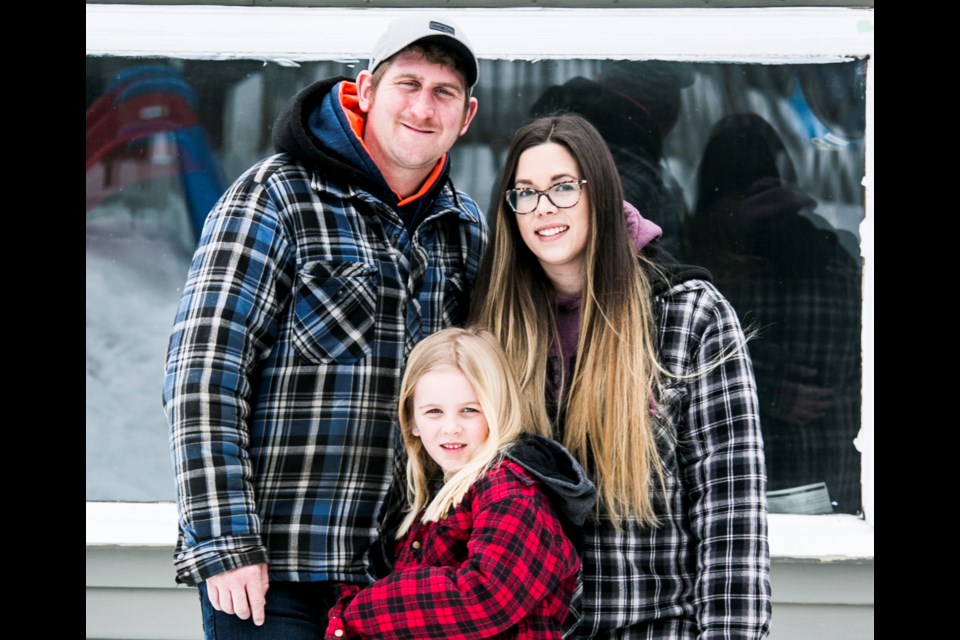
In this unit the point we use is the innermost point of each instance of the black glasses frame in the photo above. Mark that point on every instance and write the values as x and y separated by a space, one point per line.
546 192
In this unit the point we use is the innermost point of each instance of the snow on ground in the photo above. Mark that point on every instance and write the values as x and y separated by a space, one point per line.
136 266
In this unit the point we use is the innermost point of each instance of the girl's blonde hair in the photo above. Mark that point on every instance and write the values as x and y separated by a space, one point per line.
609 428
476 354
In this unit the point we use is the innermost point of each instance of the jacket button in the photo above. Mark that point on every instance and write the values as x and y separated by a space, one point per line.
338 633
416 544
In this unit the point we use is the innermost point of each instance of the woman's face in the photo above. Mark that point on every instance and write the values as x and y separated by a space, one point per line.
557 237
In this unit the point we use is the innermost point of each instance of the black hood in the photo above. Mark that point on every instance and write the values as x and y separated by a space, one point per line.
666 271
292 135
571 492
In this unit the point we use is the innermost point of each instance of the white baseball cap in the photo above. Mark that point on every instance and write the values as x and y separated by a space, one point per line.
404 31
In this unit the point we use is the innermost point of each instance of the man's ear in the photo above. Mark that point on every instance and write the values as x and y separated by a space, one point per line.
471 113
364 90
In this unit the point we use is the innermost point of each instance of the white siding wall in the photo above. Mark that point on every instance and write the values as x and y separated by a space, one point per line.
131 596
822 576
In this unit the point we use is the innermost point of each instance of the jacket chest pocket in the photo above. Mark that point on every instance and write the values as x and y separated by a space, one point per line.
335 308
456 299
447 543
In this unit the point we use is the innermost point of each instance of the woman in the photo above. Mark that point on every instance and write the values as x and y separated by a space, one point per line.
647 382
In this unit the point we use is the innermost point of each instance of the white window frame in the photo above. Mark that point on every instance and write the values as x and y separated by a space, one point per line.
285 35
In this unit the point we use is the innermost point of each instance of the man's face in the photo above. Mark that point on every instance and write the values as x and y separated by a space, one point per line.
415 114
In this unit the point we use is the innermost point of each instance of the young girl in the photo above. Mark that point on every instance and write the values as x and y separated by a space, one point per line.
481 551
638 365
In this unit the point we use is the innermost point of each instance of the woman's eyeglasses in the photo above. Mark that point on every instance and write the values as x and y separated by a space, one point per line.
563 195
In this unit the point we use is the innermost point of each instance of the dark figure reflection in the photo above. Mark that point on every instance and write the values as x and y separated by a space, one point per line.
634 105
787 274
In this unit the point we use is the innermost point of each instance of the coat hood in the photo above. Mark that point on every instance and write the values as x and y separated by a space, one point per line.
665 272
571 492
292 134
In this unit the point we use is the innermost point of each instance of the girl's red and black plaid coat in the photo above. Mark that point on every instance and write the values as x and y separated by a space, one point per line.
499 566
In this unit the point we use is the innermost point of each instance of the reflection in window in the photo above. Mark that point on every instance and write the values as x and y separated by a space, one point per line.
752 170
787 273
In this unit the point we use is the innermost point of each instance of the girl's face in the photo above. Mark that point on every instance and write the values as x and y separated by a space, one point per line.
448 419
557 237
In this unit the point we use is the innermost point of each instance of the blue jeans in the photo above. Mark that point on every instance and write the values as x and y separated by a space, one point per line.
295 611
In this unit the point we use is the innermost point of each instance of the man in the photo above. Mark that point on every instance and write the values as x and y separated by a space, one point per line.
317 272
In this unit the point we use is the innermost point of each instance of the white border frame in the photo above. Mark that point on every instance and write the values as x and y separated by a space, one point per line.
289 35
299 34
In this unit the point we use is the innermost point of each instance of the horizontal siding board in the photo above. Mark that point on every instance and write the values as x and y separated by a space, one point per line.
131 567
131 595
828 583
822 622
143 614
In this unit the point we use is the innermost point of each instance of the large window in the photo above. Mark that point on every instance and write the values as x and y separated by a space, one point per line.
750 152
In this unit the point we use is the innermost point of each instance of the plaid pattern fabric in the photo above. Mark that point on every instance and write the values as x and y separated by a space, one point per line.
704 572
497 566
809 334
303 300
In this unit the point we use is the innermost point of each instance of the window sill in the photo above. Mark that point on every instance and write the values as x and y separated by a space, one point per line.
794 537
820 538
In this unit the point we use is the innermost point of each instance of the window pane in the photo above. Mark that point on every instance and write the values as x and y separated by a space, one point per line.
752 170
